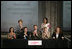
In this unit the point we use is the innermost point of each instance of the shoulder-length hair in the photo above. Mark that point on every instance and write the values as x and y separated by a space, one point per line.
10 29
59 28
46 19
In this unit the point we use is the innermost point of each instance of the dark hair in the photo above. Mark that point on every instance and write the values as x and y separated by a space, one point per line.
58 27
10 29
20 20
24 28
46 19
34 25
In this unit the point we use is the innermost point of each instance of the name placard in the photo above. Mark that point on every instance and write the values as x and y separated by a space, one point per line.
34 42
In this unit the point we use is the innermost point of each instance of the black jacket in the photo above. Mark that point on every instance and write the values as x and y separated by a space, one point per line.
22 35
59 37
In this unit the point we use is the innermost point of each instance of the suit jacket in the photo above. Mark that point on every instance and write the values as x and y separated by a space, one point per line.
22 35
39 35
59 36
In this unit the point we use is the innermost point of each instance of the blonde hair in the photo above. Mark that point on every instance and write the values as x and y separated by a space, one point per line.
44 27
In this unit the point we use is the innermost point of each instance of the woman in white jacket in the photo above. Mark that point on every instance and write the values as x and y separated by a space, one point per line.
45 24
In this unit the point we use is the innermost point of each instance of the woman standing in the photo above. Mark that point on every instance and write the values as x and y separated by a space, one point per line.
45 24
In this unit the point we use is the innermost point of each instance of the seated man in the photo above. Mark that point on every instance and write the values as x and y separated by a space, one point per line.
36 33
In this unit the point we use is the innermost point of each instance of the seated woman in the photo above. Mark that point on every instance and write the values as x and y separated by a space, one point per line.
58 34
45 34
25 33
36 33
11 35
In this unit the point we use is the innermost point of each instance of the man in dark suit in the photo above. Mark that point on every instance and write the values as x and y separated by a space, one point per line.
36 34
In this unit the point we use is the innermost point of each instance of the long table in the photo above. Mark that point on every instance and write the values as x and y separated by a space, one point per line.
21 43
